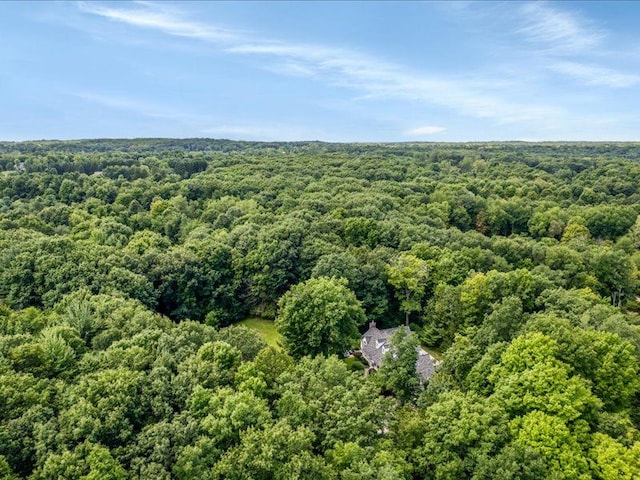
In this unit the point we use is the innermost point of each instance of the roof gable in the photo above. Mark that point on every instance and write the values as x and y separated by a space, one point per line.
375 343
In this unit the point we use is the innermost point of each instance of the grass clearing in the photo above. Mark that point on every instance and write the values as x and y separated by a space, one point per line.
437 354
266 329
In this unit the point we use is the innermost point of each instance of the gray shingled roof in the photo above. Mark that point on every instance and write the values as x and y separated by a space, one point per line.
426 364
374 345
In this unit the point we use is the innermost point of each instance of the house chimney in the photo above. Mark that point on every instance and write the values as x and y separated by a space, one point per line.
372 324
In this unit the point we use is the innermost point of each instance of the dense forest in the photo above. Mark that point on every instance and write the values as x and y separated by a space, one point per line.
125 266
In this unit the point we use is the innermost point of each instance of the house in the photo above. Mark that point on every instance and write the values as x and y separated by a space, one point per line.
374 345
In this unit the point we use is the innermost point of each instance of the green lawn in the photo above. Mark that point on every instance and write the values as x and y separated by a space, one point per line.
437 354
266 329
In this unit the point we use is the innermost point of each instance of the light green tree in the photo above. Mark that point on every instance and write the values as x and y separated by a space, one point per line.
408 275
550 438
611 460
88 461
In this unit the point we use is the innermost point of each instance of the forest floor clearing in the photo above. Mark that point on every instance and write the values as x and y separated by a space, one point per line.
266 329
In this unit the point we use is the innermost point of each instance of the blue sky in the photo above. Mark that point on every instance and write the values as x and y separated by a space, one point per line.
335 71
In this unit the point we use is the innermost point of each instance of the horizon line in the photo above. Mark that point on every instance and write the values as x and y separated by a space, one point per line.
355 142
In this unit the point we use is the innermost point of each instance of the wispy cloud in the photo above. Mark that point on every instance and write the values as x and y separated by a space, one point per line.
559 31
176 117
202 124
132 105
556 40
563 40
424 131
596 75
160 17
339 67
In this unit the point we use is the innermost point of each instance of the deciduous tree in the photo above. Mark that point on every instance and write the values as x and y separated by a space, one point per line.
319 316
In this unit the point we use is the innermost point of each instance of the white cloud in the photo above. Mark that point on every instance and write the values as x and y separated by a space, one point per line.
119 102
596 75
160 17
558 31
112 101
424 131
339 67
511 94
141 107
201 123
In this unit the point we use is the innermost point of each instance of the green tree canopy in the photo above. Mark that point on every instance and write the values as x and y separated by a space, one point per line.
398 371
408 275
319 316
